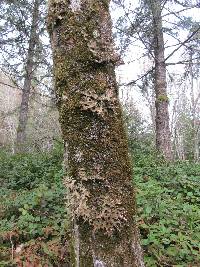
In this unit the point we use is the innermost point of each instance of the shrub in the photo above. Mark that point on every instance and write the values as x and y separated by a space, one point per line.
34 219
168 200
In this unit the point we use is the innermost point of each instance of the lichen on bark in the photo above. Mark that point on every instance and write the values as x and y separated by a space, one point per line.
99 177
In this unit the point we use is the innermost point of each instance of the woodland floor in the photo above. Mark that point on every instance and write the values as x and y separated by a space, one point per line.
34 221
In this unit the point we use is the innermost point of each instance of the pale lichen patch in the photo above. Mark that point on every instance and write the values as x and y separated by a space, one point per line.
78 156
98 104
75 5
98 263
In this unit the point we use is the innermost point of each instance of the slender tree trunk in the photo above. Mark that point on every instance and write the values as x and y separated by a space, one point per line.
29 69
176 129
150 97
179 148
163 135
99 176
194 115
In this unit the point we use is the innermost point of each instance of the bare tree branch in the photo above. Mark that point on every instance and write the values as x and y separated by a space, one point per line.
183 43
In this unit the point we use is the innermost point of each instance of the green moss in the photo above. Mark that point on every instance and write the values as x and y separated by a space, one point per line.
163 98
99 172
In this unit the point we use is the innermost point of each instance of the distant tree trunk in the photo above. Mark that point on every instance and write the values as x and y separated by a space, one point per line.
194 103
178 145
163 136
29 69
99 176
176 129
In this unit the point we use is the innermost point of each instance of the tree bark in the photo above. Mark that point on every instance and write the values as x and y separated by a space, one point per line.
100 195
29 70
195 135
163 135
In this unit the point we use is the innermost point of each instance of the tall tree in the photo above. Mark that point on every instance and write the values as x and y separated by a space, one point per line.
99 177
141 23
29 72
163 136
193 76
24 53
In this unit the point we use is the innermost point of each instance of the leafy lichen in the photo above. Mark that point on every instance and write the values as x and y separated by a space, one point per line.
100 193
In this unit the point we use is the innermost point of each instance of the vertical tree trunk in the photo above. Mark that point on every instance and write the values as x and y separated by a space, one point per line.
99 176
163 136
29 69
176 129
195 134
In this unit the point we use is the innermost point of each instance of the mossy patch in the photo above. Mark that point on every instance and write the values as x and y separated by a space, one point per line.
100 192
163 98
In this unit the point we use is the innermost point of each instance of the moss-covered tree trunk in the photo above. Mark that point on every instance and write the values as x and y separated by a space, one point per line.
163 135
99 176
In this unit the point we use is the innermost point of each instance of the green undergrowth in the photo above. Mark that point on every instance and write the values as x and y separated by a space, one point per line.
34 222
168 200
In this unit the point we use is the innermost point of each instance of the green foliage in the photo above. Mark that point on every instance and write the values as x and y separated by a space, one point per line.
169 214
32 210
33 213
140 136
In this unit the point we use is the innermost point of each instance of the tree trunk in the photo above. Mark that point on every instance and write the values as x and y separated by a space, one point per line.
29 69
100 196
163 135
194 102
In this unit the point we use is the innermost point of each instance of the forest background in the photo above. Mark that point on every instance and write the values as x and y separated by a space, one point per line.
34 221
